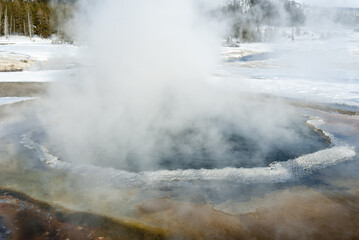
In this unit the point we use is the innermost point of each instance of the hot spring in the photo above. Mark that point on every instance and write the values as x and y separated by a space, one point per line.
153 131
239 151
142 103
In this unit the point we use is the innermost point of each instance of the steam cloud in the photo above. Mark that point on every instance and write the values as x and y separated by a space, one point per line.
144 93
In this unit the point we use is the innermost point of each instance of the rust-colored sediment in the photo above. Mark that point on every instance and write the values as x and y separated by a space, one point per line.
305 214
291 214
298 213
23 218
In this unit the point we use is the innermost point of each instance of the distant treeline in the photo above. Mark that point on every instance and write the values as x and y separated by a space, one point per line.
21 17
47 17
248 16
32 17
257 20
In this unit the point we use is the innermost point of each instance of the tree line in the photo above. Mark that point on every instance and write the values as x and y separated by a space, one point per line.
248 16
32 17
45 17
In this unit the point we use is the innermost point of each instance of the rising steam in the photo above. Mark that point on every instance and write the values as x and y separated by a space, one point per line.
144 95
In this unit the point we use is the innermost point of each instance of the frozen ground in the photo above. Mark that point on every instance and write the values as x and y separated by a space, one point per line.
37 49
318 66
36 60
47 59
36 76
9 100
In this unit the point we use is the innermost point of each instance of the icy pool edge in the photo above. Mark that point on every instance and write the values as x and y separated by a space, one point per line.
275 173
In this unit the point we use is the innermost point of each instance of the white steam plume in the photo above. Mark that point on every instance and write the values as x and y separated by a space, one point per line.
144 91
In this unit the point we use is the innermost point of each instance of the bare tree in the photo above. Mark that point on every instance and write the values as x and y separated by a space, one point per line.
25 32
0 17
6 25
10 25
30 24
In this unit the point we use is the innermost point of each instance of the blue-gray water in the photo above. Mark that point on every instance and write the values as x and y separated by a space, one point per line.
241 151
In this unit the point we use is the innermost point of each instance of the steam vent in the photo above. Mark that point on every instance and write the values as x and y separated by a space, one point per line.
176 120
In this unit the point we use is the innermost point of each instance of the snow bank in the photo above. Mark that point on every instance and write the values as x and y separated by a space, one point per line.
9 100
36 76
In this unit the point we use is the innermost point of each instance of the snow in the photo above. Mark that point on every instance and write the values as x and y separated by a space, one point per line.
10 100
36 76
52 61
36 49
321 65
245 50
301 89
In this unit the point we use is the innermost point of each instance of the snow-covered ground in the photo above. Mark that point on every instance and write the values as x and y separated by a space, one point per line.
36 76
49 59
40 60
37 49
318 66
9 100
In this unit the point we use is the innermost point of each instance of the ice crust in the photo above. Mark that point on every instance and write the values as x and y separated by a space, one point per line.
276 172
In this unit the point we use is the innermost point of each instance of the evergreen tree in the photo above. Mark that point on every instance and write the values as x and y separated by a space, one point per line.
25 17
